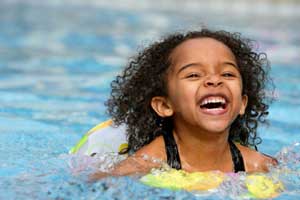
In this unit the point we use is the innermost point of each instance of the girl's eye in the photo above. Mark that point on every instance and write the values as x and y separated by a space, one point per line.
228 74
193 75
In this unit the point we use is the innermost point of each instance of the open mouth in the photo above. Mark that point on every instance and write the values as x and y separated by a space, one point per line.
213 103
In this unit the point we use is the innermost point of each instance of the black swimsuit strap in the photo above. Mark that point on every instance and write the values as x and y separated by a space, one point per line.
237 158
173 158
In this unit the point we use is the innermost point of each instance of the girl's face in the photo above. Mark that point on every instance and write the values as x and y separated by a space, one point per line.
204 86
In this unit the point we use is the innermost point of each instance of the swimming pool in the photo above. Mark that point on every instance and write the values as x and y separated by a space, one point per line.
57 60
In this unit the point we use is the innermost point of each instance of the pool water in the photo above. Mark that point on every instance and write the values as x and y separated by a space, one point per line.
57 60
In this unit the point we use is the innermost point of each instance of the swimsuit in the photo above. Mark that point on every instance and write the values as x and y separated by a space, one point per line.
173 158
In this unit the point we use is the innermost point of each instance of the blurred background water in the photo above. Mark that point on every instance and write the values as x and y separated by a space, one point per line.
57 59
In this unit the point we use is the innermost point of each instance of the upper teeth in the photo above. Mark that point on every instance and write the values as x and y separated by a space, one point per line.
213 100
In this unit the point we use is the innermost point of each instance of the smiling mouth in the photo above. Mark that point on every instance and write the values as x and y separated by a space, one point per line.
214 104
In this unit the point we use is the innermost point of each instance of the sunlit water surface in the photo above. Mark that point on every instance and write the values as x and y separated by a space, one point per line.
56 63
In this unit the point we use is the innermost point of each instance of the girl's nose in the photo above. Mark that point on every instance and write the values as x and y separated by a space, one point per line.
213 81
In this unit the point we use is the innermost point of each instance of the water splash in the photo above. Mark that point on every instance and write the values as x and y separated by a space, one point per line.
99 162
288 169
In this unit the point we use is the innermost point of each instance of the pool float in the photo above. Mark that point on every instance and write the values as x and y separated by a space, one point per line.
106 138
262 186
178 179
258 185
103 138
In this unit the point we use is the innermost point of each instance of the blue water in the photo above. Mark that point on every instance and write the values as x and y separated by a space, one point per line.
57 59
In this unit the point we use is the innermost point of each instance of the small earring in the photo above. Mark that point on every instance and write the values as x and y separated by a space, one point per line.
159 124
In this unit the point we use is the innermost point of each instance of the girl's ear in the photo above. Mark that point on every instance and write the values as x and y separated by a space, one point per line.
244 104
161 106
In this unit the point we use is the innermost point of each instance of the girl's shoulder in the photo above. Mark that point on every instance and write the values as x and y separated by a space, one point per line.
142 161
256 161
155 149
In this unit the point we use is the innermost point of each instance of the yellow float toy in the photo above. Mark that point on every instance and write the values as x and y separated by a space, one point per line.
258 185
179 179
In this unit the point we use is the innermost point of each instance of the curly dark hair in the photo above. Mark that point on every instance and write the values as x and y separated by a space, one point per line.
145 77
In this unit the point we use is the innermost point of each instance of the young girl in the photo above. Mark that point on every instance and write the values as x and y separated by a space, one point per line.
193 100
